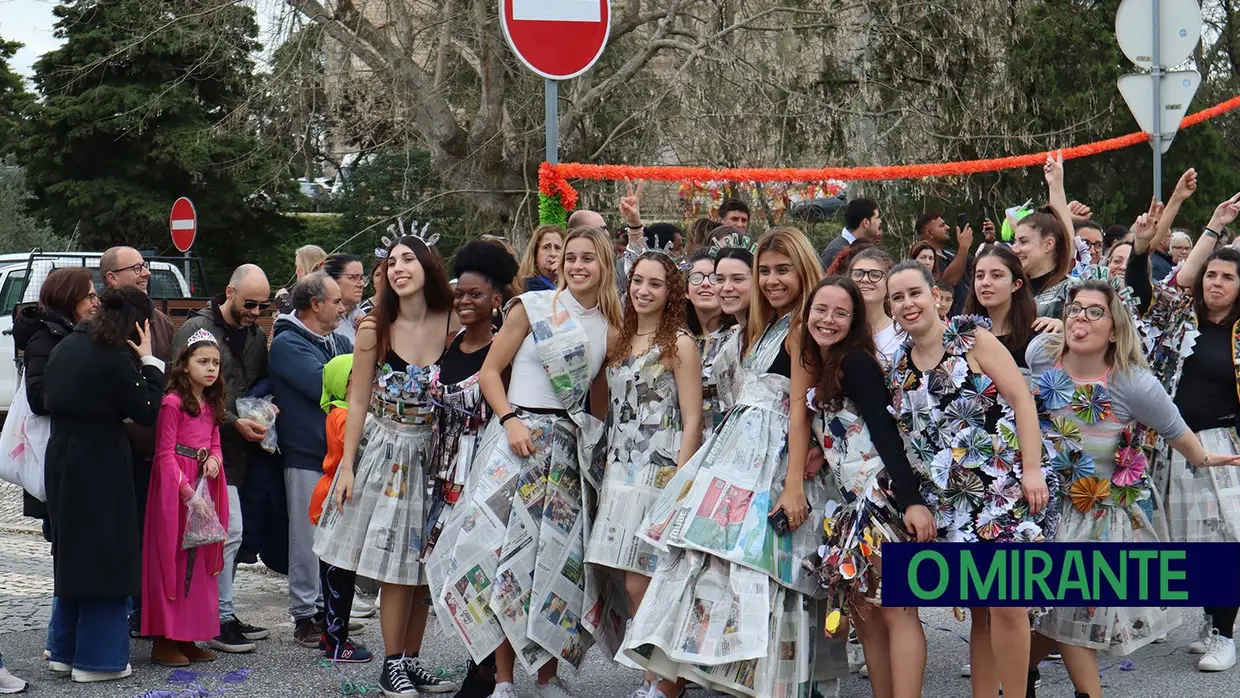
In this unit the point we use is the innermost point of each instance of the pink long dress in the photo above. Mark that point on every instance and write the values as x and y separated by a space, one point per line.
167 610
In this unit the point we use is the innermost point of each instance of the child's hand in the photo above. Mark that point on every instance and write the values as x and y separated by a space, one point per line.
211 468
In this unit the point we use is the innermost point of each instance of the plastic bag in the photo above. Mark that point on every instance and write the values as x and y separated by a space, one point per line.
263 411
202 524
23 445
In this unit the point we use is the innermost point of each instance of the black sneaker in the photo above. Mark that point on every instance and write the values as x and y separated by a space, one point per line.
477 684
394 680
351 653
425 681
231 640
307 632
135 624
251 632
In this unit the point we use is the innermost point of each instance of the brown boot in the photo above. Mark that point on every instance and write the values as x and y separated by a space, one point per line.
165 652
195 653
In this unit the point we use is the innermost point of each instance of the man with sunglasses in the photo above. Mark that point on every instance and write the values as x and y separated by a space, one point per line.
233 318
119 267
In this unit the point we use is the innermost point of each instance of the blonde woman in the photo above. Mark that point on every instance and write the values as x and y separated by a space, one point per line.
745 514
521 526
541 260
307 258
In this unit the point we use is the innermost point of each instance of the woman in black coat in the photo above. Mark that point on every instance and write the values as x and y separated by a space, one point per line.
66 298
100 375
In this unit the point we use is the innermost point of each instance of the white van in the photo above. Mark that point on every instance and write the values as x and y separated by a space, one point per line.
21 279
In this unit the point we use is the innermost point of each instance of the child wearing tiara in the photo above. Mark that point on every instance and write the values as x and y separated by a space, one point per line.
180 586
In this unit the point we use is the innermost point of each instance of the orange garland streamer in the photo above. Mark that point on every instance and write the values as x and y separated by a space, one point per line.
553 179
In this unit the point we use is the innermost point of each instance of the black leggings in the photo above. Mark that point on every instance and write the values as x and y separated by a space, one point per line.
1223 618
337 586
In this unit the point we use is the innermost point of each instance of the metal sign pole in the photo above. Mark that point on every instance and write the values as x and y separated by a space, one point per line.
552 89
189 280
1156 74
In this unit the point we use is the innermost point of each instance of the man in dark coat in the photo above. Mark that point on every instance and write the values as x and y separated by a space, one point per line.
93 383
120 267
233 319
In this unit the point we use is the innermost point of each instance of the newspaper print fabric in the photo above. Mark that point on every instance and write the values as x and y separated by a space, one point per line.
719 501
960 436
1203 504
563 349
862 518
720 367
460 415
643 445
1106 497
379 534
510 560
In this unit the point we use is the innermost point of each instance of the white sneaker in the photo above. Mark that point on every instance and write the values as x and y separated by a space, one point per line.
59 667
84 676
505 690
552 689
642 691
966 670
1220 656
10 683
864 671
1202 643
1160 640
362 608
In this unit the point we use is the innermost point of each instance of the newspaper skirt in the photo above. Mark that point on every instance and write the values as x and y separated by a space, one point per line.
1203 504
731 629
1113 630
379 534
509 563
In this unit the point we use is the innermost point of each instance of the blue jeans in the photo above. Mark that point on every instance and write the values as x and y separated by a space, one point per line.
231 546
90 634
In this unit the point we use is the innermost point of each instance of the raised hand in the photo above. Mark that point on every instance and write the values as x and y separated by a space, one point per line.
1186 186
143 347
1053 169
630 205
1225 213
1146 227
1079 210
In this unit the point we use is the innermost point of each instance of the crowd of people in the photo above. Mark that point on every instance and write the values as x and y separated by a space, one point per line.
685 446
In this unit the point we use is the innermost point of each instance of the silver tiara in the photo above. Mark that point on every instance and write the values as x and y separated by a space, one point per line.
743 242
666 251
201 336
397 231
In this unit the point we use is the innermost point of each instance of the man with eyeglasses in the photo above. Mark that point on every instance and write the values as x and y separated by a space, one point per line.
232 317
124 266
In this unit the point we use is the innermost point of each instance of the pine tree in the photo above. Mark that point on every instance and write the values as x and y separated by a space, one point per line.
135 116
14 99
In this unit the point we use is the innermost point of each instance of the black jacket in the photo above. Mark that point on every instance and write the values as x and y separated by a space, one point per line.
89 390
240 373
35 333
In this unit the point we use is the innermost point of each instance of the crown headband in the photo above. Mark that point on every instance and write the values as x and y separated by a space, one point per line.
397 231
743 242
201 336
666 251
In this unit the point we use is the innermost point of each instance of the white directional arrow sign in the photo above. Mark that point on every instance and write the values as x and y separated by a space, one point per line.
1177 87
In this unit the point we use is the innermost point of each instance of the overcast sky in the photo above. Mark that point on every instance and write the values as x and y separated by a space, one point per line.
30 22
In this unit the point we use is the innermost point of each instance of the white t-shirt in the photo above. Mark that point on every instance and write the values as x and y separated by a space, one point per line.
888 341
529 385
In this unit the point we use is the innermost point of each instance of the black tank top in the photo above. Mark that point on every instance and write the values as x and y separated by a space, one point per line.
455 365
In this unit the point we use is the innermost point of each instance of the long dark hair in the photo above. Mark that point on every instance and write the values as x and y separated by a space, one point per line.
1226 254
178 382
691 318
826 369
122 309
671 321
434 287
1024 310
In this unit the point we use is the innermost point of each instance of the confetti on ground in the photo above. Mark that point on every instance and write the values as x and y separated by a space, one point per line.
1127 665
191 686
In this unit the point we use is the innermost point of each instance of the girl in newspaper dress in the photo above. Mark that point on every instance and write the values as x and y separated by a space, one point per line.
375 521
513 549
734 612
720 350
1095 391
654 379
960 402
879 493
483 269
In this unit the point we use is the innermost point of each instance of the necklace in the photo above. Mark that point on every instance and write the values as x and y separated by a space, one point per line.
644 334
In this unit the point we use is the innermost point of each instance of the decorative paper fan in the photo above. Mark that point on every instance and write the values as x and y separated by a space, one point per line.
917 410
1002 494
941 468
972 447
1007 433
922 449
1002 462
964 489
1074 462
1066 432
1091 403
1088 492
960 334
1130 467
1126 496
1056 389
980 386
965 412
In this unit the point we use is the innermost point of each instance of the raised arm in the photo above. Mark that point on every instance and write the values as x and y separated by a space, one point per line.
1224 214
1184 188
1053 172
1137 272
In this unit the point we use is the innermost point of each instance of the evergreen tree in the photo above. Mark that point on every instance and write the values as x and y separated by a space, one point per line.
14 99
135 116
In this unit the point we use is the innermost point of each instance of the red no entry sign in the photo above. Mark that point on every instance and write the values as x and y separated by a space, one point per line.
183 224
558 39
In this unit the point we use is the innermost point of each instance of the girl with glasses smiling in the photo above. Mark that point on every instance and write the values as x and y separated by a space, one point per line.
1100 399
868 269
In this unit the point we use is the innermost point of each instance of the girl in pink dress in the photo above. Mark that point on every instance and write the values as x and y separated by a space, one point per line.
179 587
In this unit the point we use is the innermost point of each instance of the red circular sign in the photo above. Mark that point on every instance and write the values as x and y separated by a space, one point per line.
558 39
183 224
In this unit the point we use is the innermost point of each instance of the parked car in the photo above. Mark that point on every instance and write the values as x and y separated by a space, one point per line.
21 279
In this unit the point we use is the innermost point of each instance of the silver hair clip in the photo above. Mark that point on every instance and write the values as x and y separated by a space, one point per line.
743 242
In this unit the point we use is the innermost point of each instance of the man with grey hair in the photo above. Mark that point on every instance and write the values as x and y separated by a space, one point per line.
304 342
232 318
